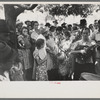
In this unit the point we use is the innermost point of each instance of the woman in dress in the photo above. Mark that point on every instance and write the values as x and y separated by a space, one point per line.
83 55
25 54
40 62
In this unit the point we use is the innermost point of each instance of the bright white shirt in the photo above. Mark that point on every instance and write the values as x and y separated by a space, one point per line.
34 35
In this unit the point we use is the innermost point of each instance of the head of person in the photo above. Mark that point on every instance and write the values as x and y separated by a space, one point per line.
67 34
55 22
19 25
75 28
4 31
99 25
59 30
35 25
8 56
85 33
25 31
91 26
30 27
64 25
96 24
52 30
28 22
47 26
69 27
40 43
45 34
83 23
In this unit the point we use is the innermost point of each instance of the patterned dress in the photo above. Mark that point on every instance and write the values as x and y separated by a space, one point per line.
40 69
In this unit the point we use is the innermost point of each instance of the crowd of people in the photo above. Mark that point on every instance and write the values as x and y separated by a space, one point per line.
50 52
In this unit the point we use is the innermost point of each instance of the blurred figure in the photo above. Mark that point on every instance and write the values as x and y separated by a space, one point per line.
47 27
55 22
83 23
25 54
8 60
95 24
35 31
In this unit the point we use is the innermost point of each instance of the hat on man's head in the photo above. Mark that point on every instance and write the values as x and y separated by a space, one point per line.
3 26
48 24
26 22
55 21
6 52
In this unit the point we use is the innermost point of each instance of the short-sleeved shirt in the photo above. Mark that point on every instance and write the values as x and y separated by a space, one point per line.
81 42
96 36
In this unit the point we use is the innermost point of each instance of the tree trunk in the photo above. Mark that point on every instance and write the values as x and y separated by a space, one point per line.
10 18
11 14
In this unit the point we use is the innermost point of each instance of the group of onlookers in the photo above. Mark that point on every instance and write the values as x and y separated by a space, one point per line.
50 52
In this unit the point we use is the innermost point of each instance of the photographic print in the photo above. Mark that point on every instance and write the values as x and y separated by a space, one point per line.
50 42
49 46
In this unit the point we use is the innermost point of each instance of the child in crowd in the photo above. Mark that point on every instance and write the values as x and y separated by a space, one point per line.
40 62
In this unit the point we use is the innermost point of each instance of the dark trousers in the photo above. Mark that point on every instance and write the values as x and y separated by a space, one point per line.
80 68
28 74
54 75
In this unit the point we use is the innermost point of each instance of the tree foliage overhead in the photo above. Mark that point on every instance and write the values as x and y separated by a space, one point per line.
69 9
74 9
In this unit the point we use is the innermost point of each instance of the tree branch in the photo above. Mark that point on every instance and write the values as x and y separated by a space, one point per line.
21 8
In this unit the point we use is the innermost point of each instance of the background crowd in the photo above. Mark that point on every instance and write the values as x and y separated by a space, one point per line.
50 52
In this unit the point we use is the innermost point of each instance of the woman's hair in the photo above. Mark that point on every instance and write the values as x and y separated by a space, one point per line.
48 25
33 22
59 28
85 29
39 43
24 28
67 33
52 28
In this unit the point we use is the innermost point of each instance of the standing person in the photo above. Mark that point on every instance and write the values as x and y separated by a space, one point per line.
96 38
25 54
35 34
91 27
96 35
36 31
95 25
83 55
47 27
40 62
59 35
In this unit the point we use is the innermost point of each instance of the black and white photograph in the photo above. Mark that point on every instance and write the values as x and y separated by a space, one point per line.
49 42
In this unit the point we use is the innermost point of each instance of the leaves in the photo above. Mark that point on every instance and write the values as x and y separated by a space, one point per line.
69 9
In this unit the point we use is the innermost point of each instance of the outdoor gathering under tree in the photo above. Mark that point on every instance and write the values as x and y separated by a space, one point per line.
49 42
